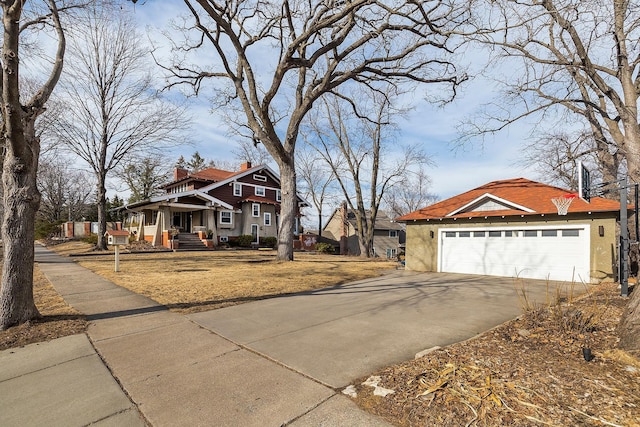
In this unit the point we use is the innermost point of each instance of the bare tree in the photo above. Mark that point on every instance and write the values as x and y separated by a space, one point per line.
144 175
582 57
411 194
275 59
357 148
247 151
21 197
65 191
316 178
564 49
113 111
556 155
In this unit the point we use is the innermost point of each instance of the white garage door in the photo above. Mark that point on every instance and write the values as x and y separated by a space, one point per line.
557 253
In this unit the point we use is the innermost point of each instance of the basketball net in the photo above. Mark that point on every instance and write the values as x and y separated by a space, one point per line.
563 202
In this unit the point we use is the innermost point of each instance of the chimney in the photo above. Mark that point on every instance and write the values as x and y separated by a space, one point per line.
245 166
179 173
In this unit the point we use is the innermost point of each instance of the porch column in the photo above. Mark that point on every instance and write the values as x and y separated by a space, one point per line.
211 225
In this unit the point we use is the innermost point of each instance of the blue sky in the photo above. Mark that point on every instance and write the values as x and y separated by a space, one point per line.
456 169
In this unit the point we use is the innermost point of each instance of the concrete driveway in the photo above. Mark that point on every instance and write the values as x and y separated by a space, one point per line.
339 334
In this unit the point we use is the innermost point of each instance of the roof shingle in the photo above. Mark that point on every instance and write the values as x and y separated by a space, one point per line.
519 191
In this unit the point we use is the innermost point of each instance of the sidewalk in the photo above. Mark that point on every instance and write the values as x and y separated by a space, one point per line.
175 371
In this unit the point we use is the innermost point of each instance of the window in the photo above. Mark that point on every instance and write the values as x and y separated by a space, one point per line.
267 218
260 191
549 233
464 234
260 178
530 233
478 234
393 233
571 233
449 234
237 189
278 195
495 233
226 217
255 210
254 234
391 253
510 233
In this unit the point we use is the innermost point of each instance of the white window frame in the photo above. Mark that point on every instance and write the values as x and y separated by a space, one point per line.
260 191
393 233
237 189
260 178
255 210
255 227
278 195
221 221
267 219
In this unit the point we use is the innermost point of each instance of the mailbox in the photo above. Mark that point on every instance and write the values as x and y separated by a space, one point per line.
117 237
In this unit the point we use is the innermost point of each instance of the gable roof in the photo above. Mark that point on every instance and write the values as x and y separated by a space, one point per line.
383 222
509 197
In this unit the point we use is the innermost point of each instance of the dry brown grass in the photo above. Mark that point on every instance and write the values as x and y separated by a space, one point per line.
197 281
58 319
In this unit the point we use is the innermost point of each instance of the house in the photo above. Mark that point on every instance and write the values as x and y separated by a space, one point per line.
214 203
512 228
342 226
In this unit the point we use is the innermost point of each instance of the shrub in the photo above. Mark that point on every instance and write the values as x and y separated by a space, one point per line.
92 239
325 248
46 229
269 242
244 241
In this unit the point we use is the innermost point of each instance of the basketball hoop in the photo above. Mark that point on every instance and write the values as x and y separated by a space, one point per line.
563 202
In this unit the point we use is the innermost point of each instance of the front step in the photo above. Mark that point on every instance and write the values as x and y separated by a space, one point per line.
190 242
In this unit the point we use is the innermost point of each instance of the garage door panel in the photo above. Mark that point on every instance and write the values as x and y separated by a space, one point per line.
540 257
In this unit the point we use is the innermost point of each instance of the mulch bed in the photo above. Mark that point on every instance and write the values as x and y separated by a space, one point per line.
527 372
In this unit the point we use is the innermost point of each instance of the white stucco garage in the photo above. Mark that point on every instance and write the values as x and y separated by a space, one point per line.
511 228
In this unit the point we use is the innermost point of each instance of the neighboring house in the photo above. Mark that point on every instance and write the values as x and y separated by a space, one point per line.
223 204
512 228
342 226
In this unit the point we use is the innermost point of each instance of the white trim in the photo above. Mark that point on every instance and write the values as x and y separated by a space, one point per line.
267 215
494 198
279 195
223 222
254 210
257 226
260 178
237 189
264 191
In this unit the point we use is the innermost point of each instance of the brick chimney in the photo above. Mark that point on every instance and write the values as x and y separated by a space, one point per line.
179 173
245 166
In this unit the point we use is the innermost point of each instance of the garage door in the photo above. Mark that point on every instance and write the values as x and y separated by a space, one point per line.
557 253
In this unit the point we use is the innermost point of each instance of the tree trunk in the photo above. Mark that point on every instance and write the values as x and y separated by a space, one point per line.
21 201
102 214
288 209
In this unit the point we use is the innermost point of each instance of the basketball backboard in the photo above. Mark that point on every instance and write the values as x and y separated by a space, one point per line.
584 182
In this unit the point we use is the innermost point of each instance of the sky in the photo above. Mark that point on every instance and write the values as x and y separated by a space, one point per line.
457 169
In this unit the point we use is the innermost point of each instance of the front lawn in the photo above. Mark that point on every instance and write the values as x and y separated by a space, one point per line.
196 281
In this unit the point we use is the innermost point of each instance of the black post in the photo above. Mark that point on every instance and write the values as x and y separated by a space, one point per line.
635 211
624 240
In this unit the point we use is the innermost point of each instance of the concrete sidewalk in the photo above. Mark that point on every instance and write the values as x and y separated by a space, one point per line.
175 371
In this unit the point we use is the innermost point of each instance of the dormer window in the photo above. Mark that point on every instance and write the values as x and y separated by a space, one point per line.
260 191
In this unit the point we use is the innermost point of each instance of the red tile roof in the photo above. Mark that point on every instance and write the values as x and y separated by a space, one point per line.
213 174
528 194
